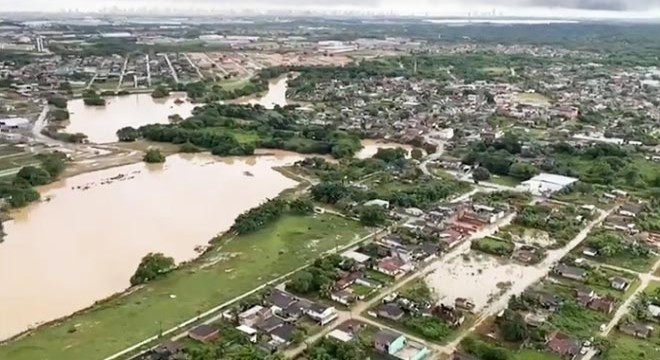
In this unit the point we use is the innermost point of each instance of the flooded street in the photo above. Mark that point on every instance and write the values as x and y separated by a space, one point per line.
85 243
478 277
370 147
100 123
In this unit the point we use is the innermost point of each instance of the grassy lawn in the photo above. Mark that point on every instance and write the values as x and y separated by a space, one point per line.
242 136
233 84
534 355
237 266
17 160
639 264
626 347
494 246
504 181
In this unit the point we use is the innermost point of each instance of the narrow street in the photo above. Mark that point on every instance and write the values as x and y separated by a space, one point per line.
501 303
624 309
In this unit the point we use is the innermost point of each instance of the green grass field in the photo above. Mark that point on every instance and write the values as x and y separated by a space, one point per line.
15 161
534 355
504 181
239 265
626 347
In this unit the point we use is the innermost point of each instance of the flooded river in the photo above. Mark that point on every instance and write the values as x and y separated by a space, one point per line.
276 95
85 243
100 123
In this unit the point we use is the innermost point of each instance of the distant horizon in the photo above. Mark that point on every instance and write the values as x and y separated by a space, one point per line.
241 13
560 9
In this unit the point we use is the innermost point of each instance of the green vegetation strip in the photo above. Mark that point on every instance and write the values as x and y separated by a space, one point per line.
238 266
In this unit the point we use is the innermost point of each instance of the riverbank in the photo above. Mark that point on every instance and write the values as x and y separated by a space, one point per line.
121 214
229 268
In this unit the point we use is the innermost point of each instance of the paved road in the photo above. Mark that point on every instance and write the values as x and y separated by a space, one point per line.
169 64
199 73
123 71
540 271
361 307
627 305
215 314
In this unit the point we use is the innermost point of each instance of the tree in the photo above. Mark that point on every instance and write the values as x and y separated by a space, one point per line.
154 156
53 163
391 155
329 192
301 206
513 327
417 154
522 171
481 174
152 266
160 92
301 282
373 216
127 134
59 114
58 102
33 176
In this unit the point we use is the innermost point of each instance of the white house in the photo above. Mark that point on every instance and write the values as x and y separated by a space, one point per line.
249 332
322 314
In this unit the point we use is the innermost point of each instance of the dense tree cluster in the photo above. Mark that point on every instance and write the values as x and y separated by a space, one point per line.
127 134
484 351
317 278
160 92
58 101
256 218
152 266
91 98
613 244
328 349
562 225
218 127
59 114
373 216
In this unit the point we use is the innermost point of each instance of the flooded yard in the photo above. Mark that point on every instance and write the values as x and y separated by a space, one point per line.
479 278
84 243
370 147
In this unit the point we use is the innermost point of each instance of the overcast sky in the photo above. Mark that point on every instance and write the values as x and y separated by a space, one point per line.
545 8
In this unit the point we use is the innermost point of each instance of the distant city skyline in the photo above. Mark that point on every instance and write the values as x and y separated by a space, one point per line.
438 8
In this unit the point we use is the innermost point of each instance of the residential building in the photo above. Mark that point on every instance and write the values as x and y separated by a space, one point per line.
321 313
563 346
254 315
570 272
390 311
396 345
284 334
204 333
250 333
637 330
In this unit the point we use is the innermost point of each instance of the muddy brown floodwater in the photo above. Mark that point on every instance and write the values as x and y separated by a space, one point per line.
100 123
84 244
276 95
